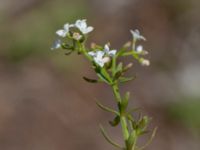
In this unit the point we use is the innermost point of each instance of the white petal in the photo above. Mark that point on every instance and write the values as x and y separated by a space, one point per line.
81 24
92 54
100 62
88 29
61 33
106 49
112 53
66 27
100 54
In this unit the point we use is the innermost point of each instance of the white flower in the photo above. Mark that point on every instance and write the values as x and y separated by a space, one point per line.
82 26
102 57
98 57
63 32
136 35
56 44
109 52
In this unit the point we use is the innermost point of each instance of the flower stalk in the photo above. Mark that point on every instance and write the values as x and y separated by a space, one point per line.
109 70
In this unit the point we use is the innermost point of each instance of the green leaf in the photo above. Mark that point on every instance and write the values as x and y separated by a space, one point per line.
109 139
119 67
133 110
131 140
133 122
106 108
124 102
105 73
150 139
115 121
126 79
102 74
118 71
90 80
68 53
143 123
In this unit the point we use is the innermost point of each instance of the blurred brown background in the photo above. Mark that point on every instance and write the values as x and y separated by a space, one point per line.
45 104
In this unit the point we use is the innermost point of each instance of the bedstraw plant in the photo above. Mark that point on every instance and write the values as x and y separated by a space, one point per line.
109 70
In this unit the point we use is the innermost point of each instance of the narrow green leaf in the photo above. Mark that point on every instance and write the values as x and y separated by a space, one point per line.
124 102
102 74
143 123
133 122
115 121
118 71
90 80
119 67
68 53
105 74
150 139
117 75
106 108
109 139
133 110
126 79
102 78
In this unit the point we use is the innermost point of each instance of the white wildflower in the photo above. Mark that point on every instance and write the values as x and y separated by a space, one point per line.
82 26
98 57
102 57
136 35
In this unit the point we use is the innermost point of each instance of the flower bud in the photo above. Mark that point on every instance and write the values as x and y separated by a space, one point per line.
76 36
106 59
145 62
127 67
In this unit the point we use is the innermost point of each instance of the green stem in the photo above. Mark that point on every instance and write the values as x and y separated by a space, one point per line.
123 119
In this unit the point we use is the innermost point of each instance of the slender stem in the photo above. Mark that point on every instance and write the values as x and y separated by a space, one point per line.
123 120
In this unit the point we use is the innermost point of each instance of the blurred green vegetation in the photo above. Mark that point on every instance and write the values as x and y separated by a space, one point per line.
32 33
186 111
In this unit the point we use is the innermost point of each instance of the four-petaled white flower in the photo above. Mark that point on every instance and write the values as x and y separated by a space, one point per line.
102 57
136 35
98 57
63 32
56 44
82 26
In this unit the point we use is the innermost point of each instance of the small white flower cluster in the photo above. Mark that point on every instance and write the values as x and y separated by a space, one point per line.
139 49
81 25
101 57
